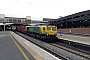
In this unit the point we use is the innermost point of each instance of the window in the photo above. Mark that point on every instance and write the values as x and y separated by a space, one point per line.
82 15
14 20
76 17
43 28
54 28
10 20
48 28
19 20
64 20
69 18
89 14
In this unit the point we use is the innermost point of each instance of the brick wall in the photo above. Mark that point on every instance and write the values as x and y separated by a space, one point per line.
76 30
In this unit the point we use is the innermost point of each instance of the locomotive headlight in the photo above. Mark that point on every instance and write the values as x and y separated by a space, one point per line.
47 34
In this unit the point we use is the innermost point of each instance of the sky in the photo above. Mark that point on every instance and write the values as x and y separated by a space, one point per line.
39 9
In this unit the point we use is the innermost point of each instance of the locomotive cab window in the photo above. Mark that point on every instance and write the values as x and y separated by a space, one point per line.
43 28
48 28
27 28
54 28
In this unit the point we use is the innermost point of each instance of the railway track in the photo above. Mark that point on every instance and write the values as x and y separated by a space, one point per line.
55 49
75 46
74 51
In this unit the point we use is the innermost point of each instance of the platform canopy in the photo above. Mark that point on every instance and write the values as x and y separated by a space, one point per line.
6 23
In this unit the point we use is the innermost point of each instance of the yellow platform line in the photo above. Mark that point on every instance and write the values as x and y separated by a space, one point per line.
25 56
33 53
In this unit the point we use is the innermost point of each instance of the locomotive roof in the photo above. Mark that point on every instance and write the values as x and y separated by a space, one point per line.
37 26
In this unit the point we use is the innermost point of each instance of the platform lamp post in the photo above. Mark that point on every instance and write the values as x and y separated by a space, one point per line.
4 25
60 26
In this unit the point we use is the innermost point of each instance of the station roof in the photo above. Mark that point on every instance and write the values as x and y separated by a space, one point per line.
15 17
6 23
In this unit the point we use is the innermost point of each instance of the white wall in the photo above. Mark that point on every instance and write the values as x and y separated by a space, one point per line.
2 15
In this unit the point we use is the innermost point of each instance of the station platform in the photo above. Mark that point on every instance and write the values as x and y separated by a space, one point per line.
75 38
14 47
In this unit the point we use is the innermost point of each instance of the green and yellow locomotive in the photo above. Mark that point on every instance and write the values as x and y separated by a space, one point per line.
46 33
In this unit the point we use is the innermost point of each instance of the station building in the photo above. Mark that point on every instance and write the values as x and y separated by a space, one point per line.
8 22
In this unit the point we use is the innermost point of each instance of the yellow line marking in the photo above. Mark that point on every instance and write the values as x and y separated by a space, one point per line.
33 53
25 56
